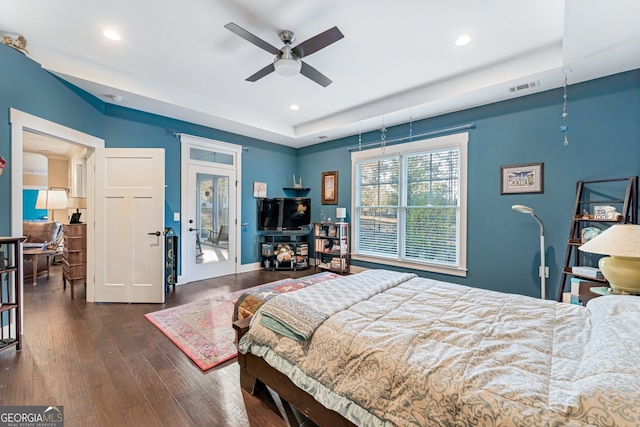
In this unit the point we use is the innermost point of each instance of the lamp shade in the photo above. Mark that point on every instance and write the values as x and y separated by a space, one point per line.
51 199
77 203
522 209
41 201
617 240
341 213
622 267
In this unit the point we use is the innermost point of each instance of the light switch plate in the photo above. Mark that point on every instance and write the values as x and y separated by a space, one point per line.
176 216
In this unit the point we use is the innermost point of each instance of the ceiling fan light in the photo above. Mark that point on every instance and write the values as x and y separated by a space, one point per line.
286 63
287 67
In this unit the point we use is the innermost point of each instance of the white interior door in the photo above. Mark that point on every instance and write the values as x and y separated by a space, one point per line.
129 225
210 222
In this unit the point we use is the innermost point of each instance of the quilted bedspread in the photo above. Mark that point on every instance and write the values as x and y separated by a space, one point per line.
250 301
431 353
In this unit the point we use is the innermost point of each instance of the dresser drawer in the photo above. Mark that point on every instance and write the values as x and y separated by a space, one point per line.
73 271
75 257
74 243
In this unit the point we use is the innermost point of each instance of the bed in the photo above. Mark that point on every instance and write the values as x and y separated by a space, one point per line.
383 348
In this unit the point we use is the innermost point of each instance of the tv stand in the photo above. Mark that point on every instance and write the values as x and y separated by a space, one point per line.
284 250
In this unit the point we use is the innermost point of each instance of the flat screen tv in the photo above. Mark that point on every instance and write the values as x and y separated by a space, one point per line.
283 214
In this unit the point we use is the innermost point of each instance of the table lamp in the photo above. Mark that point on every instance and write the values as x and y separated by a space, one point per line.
543 270
621 268
76 203
51 199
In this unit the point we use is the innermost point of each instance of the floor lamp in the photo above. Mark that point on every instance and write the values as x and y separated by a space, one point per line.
543 269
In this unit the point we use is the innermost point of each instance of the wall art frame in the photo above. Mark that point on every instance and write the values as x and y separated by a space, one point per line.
522 179
330 188
259 189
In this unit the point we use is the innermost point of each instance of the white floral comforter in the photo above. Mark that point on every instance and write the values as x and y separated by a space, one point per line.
432 353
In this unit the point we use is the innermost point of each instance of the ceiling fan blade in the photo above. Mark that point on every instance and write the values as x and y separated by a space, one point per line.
260 74
251 38
318 42
315 75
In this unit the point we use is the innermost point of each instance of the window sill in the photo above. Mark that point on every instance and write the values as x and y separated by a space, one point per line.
452 271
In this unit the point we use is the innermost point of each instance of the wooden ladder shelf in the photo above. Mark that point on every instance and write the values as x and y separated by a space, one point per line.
622 193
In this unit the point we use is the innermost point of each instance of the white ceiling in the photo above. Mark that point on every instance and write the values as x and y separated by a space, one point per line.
397 61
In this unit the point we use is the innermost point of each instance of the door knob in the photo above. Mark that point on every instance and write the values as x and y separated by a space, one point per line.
193 229
155 233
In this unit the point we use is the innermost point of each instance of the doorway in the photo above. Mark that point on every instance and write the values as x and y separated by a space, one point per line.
210 208
21 123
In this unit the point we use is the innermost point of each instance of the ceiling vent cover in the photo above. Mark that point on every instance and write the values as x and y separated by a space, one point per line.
525 86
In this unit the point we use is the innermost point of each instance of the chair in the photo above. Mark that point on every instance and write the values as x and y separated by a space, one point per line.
220 236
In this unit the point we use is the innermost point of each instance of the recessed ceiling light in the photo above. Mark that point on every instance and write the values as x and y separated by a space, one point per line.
111 35
463 40
294 107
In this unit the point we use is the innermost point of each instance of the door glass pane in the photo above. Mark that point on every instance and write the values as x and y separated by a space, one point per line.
210 156
212 235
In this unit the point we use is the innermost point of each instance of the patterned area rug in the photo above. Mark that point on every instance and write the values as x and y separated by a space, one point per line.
202 329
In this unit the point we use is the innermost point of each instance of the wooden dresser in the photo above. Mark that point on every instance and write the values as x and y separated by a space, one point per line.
74 256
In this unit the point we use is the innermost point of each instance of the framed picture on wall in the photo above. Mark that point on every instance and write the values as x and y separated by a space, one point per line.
330 188
259 189
521 179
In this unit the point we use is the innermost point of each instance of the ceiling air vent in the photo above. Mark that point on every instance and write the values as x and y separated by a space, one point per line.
525 86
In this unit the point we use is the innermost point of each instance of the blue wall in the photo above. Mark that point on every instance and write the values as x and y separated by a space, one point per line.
25 86
503 254
503 246
29 211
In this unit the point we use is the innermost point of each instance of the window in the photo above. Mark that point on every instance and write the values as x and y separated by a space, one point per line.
409 204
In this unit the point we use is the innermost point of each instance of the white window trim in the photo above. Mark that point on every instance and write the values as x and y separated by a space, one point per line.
459 140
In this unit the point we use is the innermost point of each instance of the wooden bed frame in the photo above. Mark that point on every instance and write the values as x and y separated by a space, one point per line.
256 375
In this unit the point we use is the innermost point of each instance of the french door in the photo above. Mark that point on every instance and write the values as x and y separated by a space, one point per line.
209 225
210 238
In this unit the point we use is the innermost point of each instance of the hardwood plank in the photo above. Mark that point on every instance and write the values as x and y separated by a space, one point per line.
109 366
80 421
200 412
142 414
106 405
46 389
21 374
155 390
167 371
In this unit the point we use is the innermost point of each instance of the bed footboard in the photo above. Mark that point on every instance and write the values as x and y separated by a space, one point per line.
255 373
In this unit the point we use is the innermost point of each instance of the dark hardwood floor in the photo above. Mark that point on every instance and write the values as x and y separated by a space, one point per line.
109 366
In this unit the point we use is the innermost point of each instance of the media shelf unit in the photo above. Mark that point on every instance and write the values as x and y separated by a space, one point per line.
11 285
332 250
284 250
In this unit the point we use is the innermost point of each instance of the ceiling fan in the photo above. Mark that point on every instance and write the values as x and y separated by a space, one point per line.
288 60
